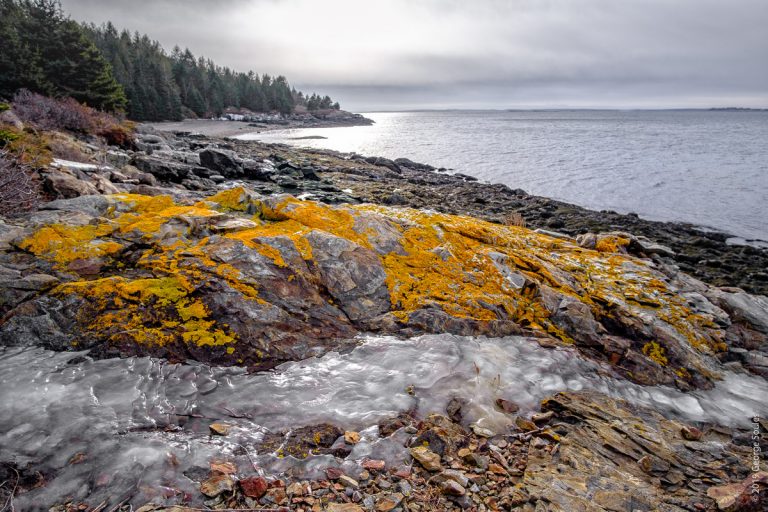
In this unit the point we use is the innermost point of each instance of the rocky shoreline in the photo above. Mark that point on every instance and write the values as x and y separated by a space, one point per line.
262 123
238 253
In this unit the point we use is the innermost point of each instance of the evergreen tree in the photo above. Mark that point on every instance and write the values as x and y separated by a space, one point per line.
44 51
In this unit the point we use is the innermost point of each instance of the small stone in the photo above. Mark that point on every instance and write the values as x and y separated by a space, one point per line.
405 487
343 507
455 475
403 472
452 488
254 487
388 502
295 489
497 469
538 442
524 424
427 458
351 437
216 485
374 464
333 473
501 443
348 482
542 417
454 409
691 433
224 468
507 406
482 432
221 429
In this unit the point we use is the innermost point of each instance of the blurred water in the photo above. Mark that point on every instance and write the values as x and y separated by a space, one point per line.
142 423
705 167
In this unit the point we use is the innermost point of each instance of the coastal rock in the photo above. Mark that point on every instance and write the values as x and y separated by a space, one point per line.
619 457
427 458
258 280
65 185
223 161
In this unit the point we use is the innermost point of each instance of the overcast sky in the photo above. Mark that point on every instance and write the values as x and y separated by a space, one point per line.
406 54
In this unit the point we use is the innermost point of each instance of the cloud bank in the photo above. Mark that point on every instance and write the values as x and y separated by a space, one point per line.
483 54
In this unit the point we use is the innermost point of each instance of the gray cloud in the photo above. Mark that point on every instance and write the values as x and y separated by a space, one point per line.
486 53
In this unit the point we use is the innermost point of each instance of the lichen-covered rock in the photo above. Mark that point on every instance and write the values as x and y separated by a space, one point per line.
239 278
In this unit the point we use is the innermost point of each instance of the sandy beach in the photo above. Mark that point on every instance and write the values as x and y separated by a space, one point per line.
211 127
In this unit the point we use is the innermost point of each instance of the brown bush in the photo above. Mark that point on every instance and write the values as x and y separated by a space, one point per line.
19 186
51 114
513 219
67 114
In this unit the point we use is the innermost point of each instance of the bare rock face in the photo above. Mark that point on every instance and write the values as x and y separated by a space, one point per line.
223 161
354 275
240 278
628 458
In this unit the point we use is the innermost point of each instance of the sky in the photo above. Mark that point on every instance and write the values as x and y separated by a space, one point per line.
414 54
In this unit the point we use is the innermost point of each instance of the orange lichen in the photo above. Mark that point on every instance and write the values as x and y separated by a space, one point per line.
63 244
611 243
466 267
230 200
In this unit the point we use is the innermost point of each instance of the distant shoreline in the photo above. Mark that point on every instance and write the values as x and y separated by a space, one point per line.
225 128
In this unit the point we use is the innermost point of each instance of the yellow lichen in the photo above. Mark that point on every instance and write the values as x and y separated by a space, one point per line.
655 352
230 200
148 311
458 264
63 244
611 243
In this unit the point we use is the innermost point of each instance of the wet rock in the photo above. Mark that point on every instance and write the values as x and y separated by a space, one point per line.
751 309
373 464
427 458
221 429
343 507
507 406
454 408
614 453
691 433
351 437
216 485
388 502
747 495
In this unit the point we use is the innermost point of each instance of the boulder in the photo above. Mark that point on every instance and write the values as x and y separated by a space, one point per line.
65 185
222 161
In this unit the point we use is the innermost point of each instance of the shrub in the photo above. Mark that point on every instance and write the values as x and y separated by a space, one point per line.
513 219
7 136
28 146
19 186
67 114
51 114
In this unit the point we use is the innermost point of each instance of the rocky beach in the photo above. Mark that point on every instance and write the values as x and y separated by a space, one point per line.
229 302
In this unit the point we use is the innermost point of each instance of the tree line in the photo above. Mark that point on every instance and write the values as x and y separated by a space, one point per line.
118 70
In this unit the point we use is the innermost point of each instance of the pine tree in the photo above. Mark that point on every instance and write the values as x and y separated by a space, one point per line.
46 52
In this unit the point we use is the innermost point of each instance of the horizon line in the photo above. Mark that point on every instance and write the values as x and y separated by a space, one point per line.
567 109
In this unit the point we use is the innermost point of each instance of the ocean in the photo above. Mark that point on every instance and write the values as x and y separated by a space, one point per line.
709 168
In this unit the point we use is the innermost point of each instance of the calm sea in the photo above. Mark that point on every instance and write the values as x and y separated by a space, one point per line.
705 167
